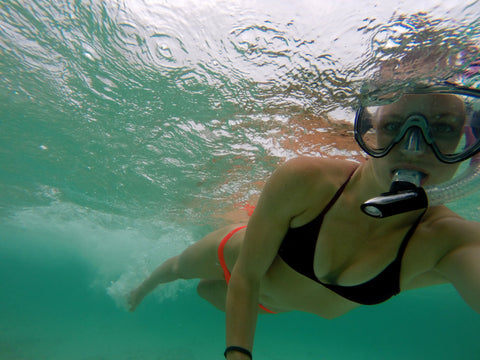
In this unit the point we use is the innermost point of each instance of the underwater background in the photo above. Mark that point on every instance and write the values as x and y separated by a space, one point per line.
131 128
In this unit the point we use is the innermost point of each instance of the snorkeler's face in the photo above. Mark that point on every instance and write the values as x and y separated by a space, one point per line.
444 120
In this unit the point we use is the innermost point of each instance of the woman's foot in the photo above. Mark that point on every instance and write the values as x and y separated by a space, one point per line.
134 298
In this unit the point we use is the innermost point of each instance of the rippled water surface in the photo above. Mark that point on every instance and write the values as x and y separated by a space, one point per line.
129 129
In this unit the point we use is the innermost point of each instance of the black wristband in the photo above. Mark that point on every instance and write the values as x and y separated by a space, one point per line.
239 349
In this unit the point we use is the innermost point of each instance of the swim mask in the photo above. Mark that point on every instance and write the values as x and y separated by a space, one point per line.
444 117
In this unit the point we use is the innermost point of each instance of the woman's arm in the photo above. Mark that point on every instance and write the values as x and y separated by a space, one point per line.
461 266
281 199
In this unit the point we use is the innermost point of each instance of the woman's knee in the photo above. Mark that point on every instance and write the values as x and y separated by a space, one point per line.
208 289
214 291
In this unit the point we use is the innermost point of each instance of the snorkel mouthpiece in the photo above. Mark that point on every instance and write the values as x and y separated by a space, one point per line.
405 195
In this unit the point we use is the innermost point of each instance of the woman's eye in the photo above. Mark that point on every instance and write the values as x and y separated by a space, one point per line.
391 126
443 129
446 125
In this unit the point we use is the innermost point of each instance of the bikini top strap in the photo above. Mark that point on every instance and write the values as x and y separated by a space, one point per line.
338 193
408 236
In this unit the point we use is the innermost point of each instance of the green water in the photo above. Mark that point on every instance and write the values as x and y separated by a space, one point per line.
127 128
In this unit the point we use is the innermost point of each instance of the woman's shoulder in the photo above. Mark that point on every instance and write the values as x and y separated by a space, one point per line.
305 181
317 169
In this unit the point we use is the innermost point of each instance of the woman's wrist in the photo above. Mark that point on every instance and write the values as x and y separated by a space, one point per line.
245 353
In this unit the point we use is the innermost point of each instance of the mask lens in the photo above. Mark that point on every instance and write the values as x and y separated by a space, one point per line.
449 123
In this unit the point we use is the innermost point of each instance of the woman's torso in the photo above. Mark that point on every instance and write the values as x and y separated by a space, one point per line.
351 249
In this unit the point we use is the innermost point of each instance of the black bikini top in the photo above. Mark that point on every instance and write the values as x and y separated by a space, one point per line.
298 251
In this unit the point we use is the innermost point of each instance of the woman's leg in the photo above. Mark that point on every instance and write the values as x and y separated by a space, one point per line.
198 261
214 291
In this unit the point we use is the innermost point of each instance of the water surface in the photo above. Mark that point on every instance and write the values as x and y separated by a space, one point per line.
130 129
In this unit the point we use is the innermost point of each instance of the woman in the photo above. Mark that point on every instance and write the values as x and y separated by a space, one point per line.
309 247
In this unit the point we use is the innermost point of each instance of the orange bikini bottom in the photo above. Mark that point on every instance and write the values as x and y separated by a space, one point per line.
221 258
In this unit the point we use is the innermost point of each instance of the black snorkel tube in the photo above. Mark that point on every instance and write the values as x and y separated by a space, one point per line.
405 192
405 195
